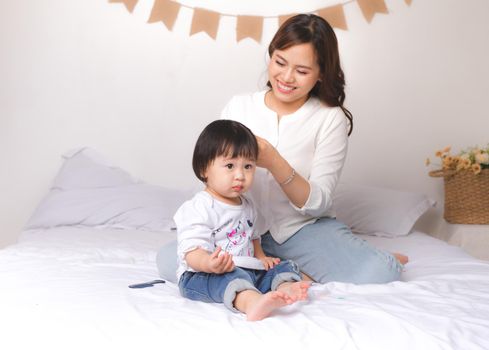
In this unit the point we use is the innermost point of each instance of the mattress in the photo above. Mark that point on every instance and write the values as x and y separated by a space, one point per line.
67 288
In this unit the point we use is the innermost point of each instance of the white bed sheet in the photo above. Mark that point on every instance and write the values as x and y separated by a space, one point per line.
66 288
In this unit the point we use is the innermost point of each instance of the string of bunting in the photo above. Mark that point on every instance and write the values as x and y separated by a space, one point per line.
207 21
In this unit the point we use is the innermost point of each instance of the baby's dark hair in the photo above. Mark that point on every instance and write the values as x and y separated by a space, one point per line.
222 137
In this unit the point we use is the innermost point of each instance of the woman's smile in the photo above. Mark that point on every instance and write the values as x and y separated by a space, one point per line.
284 88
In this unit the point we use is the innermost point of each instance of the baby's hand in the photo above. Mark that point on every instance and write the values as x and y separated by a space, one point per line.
220 263
269 262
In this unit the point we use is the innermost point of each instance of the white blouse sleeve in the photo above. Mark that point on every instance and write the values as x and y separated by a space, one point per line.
327 163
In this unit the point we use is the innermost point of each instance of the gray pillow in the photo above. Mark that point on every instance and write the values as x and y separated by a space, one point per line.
379 211
89 191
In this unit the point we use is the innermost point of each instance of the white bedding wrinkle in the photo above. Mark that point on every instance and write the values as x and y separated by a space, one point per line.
67 288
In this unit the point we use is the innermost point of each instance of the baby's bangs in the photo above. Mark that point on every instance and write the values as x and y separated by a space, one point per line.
239 147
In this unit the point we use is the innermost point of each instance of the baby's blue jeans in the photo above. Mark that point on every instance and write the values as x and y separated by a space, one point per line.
222 288
327 251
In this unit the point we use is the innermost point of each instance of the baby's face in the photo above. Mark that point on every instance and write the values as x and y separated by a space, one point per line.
228 178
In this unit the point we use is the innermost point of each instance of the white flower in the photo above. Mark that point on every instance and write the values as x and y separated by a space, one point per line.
482 158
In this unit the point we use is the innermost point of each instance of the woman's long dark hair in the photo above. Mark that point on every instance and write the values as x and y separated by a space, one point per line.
309 28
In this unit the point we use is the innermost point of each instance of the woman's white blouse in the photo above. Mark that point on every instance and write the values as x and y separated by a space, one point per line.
313 140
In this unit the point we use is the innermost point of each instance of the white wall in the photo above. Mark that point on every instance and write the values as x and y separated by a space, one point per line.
88 73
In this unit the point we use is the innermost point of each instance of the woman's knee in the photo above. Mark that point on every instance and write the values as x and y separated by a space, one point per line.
328 251
386 269
324 238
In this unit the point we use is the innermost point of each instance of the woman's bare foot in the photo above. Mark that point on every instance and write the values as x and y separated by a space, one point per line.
403 259
295 290
265 304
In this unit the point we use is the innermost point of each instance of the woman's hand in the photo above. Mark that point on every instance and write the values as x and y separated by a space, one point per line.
267 154
269 262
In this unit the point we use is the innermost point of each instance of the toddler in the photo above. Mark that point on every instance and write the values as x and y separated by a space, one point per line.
220 258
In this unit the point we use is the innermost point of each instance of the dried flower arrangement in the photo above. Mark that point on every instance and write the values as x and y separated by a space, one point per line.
473 158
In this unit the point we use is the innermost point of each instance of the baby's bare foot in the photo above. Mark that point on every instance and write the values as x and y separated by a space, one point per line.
296 290
266 304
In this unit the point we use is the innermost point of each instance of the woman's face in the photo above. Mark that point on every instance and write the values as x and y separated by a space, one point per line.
293 72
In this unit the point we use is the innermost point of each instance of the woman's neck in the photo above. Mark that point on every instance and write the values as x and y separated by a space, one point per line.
280 107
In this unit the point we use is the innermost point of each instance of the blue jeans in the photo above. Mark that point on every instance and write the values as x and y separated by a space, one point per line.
327 251
222 288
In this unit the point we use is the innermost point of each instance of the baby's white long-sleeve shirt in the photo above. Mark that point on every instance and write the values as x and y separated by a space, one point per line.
204 222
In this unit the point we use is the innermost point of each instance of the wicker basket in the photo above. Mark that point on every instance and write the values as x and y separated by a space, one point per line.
466 196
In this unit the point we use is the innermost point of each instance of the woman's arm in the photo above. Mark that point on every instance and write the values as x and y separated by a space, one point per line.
295 187
311 195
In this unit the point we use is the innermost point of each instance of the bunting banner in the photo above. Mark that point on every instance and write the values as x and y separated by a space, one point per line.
249 27
165 11
207 21
335 16
130 4
371 7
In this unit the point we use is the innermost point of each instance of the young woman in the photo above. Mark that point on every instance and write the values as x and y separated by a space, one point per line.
220 258
302 129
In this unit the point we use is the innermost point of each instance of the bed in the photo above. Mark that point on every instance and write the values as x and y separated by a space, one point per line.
64 285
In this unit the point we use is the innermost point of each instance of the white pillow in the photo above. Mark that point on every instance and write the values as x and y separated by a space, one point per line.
88 191
379 211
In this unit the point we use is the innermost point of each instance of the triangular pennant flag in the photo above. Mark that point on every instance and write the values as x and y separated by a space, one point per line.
335 16
130 4
283 18
371 7
165 11
249 27
205 21
408 2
